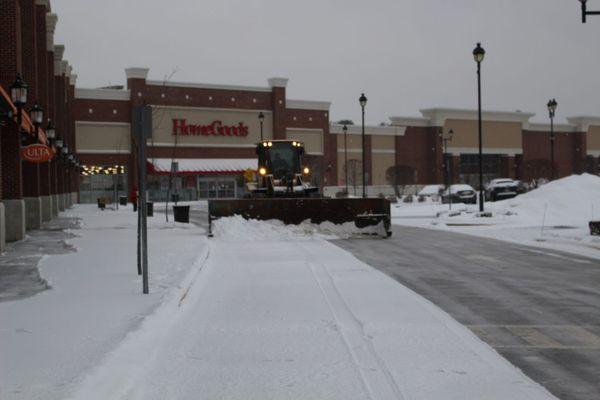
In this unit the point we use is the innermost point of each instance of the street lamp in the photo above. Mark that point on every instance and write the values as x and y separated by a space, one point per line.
551 112
18 94
261 118
36 114
50 132
448 138
585 12
363 102
478 55
345 129
59 143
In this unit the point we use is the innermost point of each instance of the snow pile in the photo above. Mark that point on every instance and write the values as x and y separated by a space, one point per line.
567 201
556 215
238 228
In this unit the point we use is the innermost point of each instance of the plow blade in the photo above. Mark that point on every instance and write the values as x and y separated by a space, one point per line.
363 212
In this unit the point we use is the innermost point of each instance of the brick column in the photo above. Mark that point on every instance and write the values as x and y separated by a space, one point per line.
278 101
507 166
13 218
44 101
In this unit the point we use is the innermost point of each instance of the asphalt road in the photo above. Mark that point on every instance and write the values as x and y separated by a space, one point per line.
540 309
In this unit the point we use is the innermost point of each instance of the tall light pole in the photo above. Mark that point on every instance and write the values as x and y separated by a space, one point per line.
345 129
261 119
447 138
478 55
585 12
363 102
551 111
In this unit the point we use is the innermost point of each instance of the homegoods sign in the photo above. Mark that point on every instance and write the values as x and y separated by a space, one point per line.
216 128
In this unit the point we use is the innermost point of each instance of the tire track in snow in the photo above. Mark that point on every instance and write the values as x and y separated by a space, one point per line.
376 376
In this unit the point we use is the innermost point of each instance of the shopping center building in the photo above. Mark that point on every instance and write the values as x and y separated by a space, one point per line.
204 135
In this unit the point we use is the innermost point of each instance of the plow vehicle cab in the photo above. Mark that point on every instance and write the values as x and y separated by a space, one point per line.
281 172
281 190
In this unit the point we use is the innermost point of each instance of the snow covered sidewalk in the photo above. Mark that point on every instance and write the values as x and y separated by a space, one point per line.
300 319
48 341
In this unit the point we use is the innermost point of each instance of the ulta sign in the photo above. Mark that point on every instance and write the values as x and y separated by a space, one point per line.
37 153
216 128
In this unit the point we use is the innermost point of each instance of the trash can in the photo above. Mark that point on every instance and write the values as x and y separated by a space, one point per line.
175 197
595 228
181 214
150 208
123 200
101 203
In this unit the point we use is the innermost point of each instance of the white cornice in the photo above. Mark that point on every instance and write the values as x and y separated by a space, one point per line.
136 73
73 79
314 130
485 150
209 86
102 94
64 67
438 116
51 20
411 121
278 82
102 123
59 51
336 129
583 123
43 3
542 127
115 151
183 145
245 110
308 105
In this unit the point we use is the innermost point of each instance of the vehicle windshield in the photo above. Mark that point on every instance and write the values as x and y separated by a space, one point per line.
281 160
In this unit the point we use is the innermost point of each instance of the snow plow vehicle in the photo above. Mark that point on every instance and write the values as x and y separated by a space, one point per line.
281 190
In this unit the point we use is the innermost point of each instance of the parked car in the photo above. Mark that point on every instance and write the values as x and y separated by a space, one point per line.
431 190
460 194
501 188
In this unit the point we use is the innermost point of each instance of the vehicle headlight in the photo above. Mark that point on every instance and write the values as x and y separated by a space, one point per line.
262 171
270 144
306 170
294 144
264 144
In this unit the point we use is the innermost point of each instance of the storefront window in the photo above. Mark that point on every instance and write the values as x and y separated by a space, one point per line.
469 168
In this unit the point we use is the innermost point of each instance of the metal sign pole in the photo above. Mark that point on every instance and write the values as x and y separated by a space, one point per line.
143 130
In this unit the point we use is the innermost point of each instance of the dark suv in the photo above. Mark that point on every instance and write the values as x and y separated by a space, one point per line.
460 194
500 189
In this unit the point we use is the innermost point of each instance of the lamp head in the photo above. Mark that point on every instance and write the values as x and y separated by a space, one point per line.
478 53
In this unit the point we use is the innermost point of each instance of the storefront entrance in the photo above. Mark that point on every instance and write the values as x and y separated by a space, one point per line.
217 188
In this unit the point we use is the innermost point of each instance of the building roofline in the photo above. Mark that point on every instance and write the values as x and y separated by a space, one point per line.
438 116
102 94
209 86
308 104
369 130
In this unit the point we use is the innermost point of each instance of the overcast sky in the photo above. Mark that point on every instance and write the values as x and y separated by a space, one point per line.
404 54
